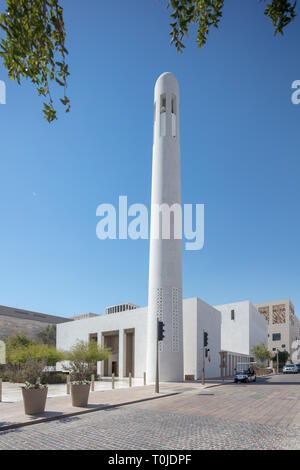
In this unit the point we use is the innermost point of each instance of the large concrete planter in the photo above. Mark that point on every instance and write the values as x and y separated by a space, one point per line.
34 400
80 394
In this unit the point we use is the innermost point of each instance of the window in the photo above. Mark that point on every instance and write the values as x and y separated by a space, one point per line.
93 337
232 314
163 115
173 114
276 336
163 104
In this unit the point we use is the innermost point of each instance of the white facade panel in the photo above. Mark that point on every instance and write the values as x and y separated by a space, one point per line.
118 322
209 320
198 317
235 332
258 328
242 327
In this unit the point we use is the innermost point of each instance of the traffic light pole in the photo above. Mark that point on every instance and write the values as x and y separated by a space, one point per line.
203 362
157 366
205 343
159 337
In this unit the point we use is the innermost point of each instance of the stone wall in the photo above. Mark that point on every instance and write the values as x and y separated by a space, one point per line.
10 326
16 321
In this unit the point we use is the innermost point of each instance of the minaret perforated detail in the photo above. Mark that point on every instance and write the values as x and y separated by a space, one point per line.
176 298
159 310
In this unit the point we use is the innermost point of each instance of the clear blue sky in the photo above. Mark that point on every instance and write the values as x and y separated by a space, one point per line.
240 157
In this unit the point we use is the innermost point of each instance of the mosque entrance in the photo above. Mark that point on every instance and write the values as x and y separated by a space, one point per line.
129 352
111 365
110 339
114 368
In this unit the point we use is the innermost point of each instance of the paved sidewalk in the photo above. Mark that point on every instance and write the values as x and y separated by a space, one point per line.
12 414
12 392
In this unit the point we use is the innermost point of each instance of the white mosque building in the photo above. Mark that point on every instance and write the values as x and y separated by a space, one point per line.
125 332
130 331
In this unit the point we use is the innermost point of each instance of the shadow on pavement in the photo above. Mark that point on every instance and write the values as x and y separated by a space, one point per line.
268 381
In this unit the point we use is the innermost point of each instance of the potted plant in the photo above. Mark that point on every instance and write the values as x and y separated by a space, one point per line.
34 393
31 360
83 358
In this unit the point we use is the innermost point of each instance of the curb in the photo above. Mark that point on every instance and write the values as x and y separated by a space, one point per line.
81 412
218 385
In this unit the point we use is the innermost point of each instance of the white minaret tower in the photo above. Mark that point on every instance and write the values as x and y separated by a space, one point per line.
165 265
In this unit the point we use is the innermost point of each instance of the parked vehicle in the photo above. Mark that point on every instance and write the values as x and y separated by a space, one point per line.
298 367
244 374
290 369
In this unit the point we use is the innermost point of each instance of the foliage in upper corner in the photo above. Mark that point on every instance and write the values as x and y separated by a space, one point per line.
33 47
207 13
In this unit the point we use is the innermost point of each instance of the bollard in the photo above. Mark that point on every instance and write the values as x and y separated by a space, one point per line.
130 380
0 390
144 378
113 380
93 383
68 385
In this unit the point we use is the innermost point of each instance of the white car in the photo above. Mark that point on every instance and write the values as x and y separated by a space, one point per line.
246 375
290 369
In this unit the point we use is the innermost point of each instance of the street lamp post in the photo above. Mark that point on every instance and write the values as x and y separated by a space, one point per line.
277 361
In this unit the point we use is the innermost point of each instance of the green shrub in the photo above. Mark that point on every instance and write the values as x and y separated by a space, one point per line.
83 359
27 360
261 353
36 352
54 378
12 373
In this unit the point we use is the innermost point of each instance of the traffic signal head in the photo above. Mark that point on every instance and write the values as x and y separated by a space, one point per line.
205 338
160 330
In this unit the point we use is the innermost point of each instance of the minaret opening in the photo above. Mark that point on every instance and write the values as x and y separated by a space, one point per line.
163 115
173 115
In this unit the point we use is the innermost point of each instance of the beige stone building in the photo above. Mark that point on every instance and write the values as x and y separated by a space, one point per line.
283 325
14 321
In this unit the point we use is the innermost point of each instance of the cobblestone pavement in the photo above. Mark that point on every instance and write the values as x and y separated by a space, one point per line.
174 423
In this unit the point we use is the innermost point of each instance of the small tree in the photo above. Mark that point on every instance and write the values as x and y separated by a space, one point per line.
83 358
48 335
32 360
19 341
260 352
31 373
282 357
36 352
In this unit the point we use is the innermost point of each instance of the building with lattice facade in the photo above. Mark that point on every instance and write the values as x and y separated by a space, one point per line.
283 325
